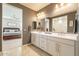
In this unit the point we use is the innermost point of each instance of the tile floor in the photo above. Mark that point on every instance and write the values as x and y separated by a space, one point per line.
26 50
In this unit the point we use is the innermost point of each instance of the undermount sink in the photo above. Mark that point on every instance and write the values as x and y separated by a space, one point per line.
48 32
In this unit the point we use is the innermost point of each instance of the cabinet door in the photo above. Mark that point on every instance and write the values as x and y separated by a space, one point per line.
52 47
66 50
33 37
43 43
37 41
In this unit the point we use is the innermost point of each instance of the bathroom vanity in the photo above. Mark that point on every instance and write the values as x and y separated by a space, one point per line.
56 44
58 35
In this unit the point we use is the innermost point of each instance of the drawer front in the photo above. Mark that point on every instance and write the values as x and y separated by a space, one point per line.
62 40
66 50
43 44
66 41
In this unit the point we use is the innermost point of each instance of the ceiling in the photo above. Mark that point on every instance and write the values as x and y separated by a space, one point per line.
35 6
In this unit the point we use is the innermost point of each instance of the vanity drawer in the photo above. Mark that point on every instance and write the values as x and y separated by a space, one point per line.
62 40
66 41
43 44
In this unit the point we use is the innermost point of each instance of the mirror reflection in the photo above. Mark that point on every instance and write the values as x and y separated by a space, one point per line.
59 24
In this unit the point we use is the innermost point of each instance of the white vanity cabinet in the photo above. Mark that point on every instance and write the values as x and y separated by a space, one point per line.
56 46
65 50
43 42
66 47
35 39
60 47
52 47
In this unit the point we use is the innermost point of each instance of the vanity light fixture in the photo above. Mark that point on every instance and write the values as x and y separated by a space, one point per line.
61 4
38 15
69 4
41 15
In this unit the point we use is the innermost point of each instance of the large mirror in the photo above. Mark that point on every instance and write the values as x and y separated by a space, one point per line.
59 24
45 24
63 23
